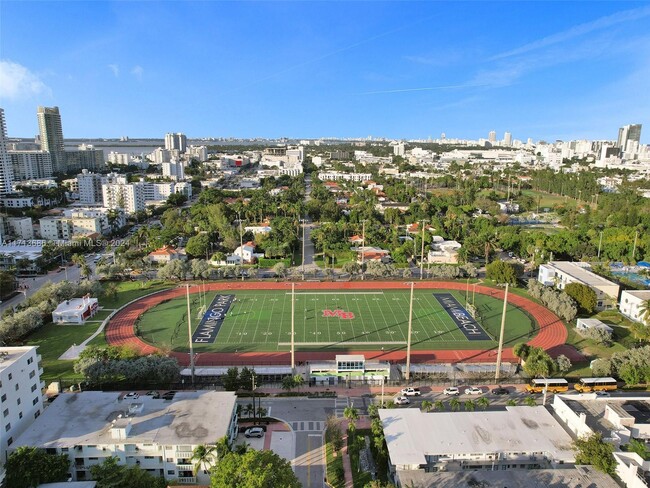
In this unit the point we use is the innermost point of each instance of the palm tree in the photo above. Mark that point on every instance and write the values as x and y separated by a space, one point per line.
249 409
530 401
645 312
511 403
454 403
352 414
204 457
439 405
470 405
427 405
483 403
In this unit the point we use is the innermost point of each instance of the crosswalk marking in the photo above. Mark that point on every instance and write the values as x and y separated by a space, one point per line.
307 426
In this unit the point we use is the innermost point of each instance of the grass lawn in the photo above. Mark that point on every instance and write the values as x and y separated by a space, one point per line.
335 476
359 477
547 199
260 320
52 341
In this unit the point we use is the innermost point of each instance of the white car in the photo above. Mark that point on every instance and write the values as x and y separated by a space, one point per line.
410 392
254 432
451 390
472 390
133 395
401 400
602 394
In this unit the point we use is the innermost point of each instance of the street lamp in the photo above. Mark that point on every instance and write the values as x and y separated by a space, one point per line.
408 340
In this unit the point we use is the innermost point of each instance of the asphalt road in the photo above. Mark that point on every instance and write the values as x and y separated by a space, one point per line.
70 273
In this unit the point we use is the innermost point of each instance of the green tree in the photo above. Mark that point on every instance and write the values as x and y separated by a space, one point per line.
539 363
28 467
595 451
503 272
110 474
563 363
176 199
645 312
253 469
470 405
530 401
439 405
198 246
521 350
352 415
454 403
426 405
584 296
511 403
483 403
204 457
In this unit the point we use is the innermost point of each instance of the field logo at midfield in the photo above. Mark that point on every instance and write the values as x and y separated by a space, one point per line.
461 317
211 322
338 313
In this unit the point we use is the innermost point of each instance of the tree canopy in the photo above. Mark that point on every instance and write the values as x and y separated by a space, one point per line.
28 467
253 469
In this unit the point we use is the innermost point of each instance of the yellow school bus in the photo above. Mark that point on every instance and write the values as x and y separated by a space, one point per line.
586 385
552 385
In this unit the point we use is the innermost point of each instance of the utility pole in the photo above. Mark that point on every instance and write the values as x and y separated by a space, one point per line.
408 341
241 249
503 327
253 391
422 252
600 242
293 313
636 236
304 224
189 332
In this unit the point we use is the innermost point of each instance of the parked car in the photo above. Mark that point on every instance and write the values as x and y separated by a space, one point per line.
451 390
602 394
401 400
411 392
254 432
153 394
169 395
473 390
132 395
500 391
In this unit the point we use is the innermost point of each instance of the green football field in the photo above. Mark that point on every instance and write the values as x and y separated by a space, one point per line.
261 321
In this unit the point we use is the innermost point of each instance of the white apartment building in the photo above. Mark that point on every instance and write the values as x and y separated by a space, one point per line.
337 175
126 196
516 438
56 228
90 185
176 141
399 149
632 304
157 435
561 273
159 192
174 170
443 251
198 152
117 218
160 155
12 254
21 227
21 400
6 170
27 165
119 158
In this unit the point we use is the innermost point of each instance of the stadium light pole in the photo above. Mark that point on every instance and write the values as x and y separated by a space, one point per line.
408 340
304 224
189 332
422 252
503 326
363 245
241 246
293 313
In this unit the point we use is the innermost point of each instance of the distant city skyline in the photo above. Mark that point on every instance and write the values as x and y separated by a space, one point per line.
536 70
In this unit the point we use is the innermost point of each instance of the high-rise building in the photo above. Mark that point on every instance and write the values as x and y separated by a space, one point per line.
176 141
84 157
22 400
628 133
492 136
507 139
6 171
90 187
129 197
28 165
174 170
51 136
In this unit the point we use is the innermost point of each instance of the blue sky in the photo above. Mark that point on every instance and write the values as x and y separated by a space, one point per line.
547 70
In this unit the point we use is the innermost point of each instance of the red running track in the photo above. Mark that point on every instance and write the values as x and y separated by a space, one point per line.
552 332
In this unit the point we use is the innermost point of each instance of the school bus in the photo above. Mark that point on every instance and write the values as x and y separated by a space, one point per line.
553 385
586 385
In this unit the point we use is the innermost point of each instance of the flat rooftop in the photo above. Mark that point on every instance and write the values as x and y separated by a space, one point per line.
578 477
9 355
594 409
642 294
412 434
580 273
74 305
85 418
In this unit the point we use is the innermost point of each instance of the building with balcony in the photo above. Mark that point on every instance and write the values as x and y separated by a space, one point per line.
561 273
21 400
514 438
157 435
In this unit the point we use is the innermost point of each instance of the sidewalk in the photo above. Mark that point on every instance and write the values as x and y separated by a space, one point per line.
356 391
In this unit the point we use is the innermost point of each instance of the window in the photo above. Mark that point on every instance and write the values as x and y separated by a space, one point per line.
7 427
3 398
171 472
93 459
20 415
38 414
32 374
6 412
170 460
17 387
10 441
18 401
35 401
33 388
30 360
10 376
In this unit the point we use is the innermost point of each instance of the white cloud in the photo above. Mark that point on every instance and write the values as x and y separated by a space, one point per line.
115 69
18 82
138 71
